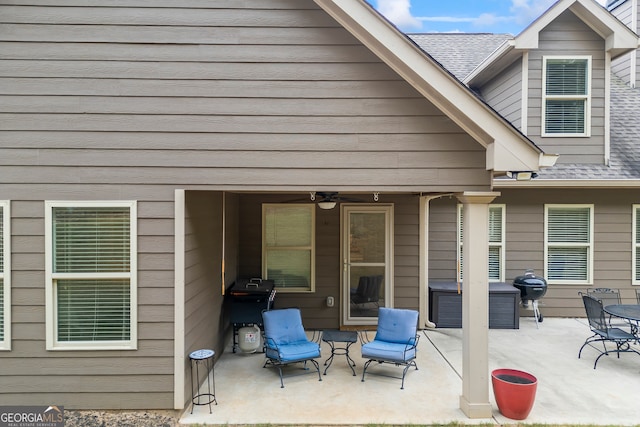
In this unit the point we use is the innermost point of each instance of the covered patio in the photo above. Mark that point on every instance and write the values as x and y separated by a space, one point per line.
569 390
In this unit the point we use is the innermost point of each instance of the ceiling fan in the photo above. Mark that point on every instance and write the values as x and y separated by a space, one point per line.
329 199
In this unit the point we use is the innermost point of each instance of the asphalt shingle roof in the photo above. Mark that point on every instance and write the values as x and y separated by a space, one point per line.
461 53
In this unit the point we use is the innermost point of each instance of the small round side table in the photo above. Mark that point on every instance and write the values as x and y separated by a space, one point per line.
204 357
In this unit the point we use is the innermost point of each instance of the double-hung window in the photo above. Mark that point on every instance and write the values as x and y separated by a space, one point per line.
5 277
636 245
566 92
91 275
288 246
496 242
568 235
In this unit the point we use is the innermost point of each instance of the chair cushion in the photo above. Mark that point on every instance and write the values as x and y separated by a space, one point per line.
397 325
384 350
295 351
284 326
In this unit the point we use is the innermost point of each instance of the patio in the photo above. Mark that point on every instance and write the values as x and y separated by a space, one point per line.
569 391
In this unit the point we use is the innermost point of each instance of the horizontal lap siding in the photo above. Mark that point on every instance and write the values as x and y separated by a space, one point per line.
525 242
621 66
569 36
132 99
316 314
504 93
612 242
90 379
281 76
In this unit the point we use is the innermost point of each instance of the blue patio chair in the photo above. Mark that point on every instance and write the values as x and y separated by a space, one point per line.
603 332
395 342
286 341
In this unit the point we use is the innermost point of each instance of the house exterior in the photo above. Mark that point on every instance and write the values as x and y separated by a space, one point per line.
154 152
596 175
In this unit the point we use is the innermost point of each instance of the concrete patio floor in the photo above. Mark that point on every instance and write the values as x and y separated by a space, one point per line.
569 390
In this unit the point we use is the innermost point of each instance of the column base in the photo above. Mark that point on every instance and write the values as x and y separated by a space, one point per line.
475 410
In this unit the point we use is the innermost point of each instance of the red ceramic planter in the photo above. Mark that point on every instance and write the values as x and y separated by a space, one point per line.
515 392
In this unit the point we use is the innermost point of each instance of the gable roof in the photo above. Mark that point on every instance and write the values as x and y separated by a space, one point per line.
619 39
506 148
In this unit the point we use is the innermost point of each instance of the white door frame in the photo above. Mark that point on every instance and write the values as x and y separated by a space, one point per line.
345 211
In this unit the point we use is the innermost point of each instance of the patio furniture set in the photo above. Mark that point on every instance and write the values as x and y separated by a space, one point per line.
611 322
286 342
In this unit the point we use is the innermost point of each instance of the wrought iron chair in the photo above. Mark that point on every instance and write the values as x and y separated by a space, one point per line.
607 296
395 342
286 341
603 332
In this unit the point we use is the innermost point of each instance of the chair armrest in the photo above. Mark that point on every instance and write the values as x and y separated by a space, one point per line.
412 344
270 343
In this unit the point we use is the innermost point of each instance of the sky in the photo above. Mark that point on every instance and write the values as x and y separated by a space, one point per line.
468 16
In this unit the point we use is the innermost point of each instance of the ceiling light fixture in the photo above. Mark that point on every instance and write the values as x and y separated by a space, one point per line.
326 205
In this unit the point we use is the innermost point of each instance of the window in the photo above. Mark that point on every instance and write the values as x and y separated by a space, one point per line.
91 280
566 96
636 245
288 246
496 242
5 277
568 238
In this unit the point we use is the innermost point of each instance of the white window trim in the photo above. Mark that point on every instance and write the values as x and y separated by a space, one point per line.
635 247
5 274
50 297
312 280
500 244
590 245
587 97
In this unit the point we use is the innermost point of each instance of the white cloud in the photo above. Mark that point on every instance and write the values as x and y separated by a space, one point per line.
398 12
521 12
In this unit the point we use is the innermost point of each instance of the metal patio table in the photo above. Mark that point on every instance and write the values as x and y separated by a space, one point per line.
630 312
333 336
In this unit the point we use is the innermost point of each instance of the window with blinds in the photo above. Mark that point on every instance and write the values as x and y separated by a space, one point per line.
92 280
496 242
288 246
566 93
568 244
636 245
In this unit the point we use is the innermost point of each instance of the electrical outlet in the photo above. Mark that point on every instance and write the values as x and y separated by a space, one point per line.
330 301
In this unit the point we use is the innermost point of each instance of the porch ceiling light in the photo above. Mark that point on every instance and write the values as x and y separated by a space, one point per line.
326 205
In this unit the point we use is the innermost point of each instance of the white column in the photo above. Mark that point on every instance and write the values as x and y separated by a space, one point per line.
474 400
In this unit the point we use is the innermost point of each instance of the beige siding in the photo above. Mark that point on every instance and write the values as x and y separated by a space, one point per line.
525 242
569 36
204 324
98 379
133 100
152 79
316 314
622 66
504 93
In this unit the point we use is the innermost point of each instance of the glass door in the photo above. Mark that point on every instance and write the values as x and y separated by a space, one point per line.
367 268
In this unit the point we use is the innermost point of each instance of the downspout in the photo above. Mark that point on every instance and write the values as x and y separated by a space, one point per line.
424 257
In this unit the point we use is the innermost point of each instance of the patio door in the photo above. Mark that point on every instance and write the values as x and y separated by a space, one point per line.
367 262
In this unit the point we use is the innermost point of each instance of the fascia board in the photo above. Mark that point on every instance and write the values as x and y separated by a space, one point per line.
619 38
502 57
567 183
509 149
